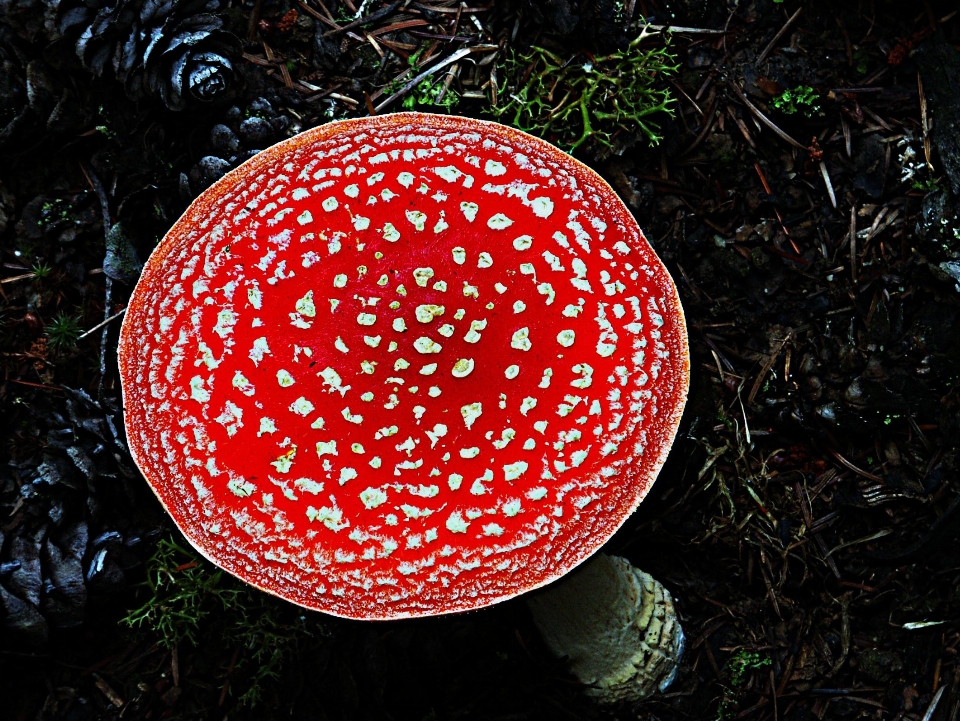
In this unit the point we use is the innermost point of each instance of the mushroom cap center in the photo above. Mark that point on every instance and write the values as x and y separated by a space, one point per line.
403 365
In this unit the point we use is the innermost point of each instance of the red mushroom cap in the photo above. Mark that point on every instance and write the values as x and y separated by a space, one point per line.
402 366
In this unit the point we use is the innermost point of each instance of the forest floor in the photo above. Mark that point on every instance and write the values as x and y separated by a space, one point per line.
803 195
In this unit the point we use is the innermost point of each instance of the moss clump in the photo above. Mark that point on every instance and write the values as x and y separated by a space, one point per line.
737 670
194 604
63 332
430 94
801 99
570 101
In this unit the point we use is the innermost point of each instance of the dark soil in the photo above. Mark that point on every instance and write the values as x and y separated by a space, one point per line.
807 520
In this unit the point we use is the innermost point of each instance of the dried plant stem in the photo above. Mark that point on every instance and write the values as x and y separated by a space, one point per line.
108 281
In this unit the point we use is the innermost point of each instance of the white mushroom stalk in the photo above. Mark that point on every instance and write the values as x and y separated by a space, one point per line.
617 627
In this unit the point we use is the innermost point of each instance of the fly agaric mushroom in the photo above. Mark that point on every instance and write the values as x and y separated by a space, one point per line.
402 366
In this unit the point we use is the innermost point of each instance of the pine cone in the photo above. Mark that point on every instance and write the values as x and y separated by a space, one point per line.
179 49
176 49
72 534
33 102
25 17
100 37
245 134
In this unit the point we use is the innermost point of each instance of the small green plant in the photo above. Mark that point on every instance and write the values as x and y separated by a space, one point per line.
736 670
861 60
802 99
431 94
930 185
570 102
743 661
192 603
53 212
104 127
40 270
63 332
414 59
428 93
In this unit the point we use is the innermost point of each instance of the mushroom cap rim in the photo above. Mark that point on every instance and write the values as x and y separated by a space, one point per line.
670 420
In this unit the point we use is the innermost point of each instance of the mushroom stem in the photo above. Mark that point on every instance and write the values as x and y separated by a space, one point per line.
615 624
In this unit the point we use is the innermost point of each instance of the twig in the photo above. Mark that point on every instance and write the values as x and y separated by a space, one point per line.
934 703
772 43
112 696
679 88
709 118
681 29
321 95
768 582
826 180
100 325
766 369
876 118
226 681
853 243
844 633
764 119
252 23
108 282
34 385
783 226
883 532
374 44
858 471
924 122
345 99
773 688
175 665
328 21
405 88
880 224
326 11
366 20
452 73
743 127
404 25
257 60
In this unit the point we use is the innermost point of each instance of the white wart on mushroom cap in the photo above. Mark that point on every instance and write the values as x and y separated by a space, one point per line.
403 366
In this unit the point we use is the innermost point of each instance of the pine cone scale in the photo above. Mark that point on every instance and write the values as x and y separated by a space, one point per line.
177 49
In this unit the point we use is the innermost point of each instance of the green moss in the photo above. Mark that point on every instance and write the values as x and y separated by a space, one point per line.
930 185
63 332
802 99
193 603
570 101
743 661
736 671
40 270
430 94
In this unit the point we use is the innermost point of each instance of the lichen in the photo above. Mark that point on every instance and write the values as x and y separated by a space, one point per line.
570 101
